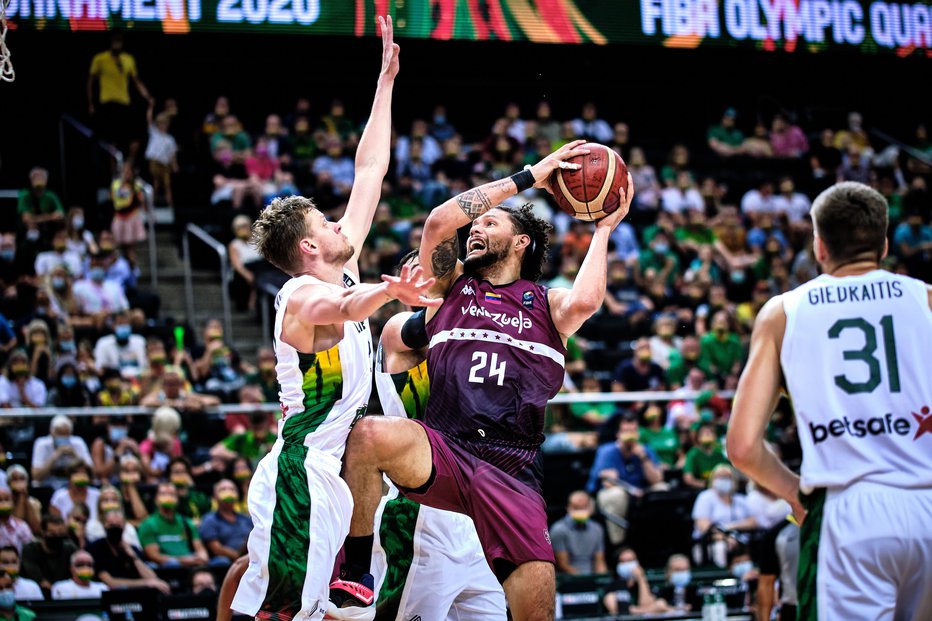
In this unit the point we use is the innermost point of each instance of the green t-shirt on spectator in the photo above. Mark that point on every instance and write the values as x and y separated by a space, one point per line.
658 261
665 442
173 538
733 136
704 235
239 141
603 410
248 445
717 357
46 204
195 505
700 464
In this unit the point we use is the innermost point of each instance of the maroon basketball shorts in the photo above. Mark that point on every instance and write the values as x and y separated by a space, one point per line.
510 517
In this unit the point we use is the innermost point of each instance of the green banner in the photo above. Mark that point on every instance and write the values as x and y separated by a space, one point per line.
794 26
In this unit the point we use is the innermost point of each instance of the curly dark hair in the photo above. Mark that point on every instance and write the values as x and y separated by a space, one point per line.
526 223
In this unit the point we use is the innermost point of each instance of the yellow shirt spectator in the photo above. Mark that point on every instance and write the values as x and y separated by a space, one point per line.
114 72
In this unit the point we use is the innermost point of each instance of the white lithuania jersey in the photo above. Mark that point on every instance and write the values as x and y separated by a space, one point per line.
322 394
857 358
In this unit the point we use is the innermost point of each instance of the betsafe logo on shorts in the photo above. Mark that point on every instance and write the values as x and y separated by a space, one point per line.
885 425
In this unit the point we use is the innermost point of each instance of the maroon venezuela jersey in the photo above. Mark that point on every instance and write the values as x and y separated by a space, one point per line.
495 359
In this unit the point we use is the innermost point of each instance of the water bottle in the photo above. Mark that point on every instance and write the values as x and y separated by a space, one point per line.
707 607
129 615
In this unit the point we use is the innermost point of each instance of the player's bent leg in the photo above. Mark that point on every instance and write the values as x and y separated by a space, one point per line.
228 588
531 591
396 446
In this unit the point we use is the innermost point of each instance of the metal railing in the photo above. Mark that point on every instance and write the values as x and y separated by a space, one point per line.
576 397
225 276
67 120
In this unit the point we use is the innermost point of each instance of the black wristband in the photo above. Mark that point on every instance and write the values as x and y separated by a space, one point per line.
523 179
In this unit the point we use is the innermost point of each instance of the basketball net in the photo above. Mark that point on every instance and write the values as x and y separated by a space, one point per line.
6 62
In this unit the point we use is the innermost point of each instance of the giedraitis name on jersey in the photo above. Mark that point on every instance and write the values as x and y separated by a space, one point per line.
866 292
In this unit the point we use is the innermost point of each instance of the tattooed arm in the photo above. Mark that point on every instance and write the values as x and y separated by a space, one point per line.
438 256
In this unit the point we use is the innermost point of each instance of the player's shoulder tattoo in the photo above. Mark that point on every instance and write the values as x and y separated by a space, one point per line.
474 203
443 260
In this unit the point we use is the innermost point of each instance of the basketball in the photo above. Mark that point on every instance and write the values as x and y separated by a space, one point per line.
594 190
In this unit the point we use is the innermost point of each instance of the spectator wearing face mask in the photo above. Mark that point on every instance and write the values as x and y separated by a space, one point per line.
107 451
54 455
640 372
225 530
18 387
47 560
172 392
108 500
119 563
59 288
59 255
115 392
122 350
661 439
264 377
81 584
9 609
678 591
99 298
68 391
13 531
630 594
203 583
23 588
161 443
39 350
169 539
78 491
720 506
80 240
703 458
192 503
253 443
620 469
578 542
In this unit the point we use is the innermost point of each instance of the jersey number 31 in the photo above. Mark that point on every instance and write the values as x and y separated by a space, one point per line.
867 354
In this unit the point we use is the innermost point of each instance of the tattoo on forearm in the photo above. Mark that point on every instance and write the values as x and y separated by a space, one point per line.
444 258
474 203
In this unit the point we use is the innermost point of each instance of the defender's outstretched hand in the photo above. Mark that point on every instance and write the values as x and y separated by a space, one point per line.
390 49
410 289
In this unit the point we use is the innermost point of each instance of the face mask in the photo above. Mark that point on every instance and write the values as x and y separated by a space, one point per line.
626 569
59 441
707 443
180 480
661 248
20 371
228 497
67 346
33 235
129 478
114 387
117 434
651 415
580 517
84 573
224 158
628 438
739 570
80 482
114 535
158 361
107 248
12 571
109 506
680 579
122 332
267 368
169 503
58 283
207 593
6 509
644 356
69 381
7 600
97 274
78 222
242 475
58 247
723 486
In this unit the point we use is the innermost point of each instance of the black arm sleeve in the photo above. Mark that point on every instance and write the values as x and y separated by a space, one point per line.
414 331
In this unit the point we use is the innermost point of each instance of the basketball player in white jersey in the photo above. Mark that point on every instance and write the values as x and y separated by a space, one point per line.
300 507
852 348
416 545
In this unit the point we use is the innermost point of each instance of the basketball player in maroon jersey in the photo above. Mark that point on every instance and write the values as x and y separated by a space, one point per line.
496 356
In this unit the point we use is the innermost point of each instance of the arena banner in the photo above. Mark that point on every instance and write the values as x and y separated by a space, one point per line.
798 26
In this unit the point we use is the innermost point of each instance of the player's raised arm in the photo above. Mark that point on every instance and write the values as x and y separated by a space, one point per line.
755 401
316 305
570 308
438 256
374 150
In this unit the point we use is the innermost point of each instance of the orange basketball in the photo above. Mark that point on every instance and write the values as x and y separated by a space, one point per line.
594 190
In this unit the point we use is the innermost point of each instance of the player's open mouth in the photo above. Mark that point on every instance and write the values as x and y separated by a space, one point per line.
475 245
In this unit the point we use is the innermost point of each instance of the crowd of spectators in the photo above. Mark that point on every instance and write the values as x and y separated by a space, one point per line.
719 225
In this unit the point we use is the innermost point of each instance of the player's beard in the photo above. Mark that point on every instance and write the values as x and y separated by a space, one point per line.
476 266
342 255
